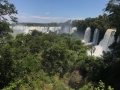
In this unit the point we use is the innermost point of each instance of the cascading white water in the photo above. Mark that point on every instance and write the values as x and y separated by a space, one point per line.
32 28
52 29
58 29
42 29
67 30
19 29
108 39
87 35
105 42
73 29
27 29
95 37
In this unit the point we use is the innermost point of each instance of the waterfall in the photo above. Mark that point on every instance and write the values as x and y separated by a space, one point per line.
58 29
67 29
108 39
87 35
45 30
105 42
18 29
26 30
95 37
73 29
52 29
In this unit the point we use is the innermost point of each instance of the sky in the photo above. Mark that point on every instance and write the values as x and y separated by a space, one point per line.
46 11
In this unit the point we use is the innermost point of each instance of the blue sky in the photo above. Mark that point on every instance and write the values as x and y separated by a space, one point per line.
45 11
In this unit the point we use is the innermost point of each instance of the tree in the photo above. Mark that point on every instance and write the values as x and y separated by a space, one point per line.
36 33
55 58
6 66
91 48
113 7
7 8
4 29
6 59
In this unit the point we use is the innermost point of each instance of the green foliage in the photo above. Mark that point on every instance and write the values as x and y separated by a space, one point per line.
60 55
100 86
13 85
6 65
36 59
91 48
101 23
36 33
89 86
7 8
25 54
59 86
4 29
113 7
91 68
52 24
29 62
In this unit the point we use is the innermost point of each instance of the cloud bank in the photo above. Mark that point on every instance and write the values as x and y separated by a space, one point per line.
23 17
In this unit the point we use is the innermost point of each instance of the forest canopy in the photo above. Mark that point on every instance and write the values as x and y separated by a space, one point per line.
40 61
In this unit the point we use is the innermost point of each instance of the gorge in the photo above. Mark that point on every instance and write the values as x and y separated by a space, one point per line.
101 46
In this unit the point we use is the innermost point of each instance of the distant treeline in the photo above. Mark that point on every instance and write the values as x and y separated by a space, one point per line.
38 24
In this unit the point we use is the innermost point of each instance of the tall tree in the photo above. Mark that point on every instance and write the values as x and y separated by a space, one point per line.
7 8
113 7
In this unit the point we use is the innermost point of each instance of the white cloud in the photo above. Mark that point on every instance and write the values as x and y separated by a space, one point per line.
23 17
